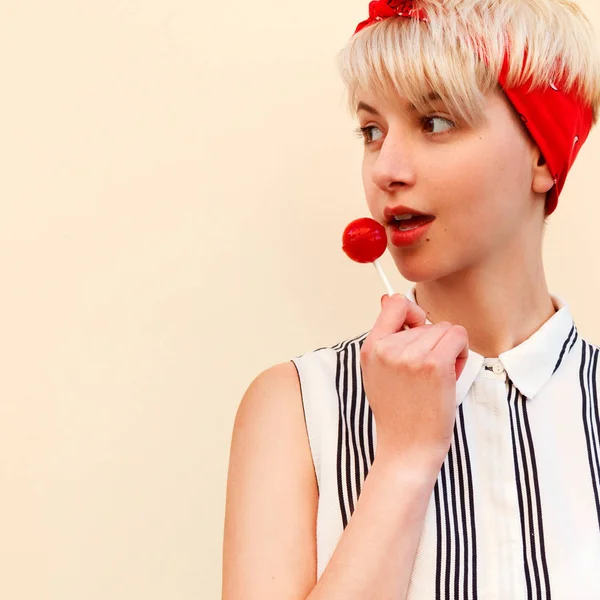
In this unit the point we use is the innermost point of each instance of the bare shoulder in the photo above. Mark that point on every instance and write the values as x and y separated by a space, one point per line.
270 539
271 407
277 385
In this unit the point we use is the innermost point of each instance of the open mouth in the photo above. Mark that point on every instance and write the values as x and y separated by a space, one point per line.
414 222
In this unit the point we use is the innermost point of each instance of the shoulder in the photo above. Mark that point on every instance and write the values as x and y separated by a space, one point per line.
590 345
273 400
582 344
579 357
276 378
316 367
272 408
269 436
271 395
349 344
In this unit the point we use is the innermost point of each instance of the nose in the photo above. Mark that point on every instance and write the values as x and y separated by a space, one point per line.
394 165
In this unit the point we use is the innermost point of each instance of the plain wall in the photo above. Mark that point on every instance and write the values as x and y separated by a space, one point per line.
175 179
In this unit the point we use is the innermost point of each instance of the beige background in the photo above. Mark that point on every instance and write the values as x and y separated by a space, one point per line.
175 179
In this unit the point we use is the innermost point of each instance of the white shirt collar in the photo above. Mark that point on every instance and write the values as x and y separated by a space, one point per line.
531 364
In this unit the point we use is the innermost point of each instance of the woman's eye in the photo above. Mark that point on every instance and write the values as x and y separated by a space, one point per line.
368 134
435 125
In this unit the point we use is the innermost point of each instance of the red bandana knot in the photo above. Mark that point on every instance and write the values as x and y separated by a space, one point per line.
384 9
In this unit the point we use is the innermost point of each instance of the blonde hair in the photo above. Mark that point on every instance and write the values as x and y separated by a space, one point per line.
549 40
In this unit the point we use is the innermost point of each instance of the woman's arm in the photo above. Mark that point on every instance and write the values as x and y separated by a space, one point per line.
270 523
374 557
270 547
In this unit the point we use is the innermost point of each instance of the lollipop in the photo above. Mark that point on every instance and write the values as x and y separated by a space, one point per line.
364 241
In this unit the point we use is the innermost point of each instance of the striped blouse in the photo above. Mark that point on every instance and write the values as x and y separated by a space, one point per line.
515 511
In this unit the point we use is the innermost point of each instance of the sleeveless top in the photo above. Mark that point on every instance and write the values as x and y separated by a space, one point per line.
515 511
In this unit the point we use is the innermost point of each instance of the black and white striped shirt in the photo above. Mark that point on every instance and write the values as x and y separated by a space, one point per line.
515 512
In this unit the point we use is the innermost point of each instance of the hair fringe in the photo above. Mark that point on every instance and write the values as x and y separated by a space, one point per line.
549 40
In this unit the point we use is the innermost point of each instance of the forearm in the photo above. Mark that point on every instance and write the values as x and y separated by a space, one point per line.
375 555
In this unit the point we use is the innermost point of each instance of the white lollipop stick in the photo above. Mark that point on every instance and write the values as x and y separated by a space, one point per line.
388 287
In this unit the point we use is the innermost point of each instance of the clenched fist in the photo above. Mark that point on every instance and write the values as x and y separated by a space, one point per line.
410 381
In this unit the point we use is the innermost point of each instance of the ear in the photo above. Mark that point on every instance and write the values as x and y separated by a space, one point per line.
542 181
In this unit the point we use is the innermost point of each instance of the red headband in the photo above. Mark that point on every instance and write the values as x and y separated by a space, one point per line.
558 122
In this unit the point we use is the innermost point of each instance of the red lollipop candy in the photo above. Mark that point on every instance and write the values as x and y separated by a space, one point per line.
364 241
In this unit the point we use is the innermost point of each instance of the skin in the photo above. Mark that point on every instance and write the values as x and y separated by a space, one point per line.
480 263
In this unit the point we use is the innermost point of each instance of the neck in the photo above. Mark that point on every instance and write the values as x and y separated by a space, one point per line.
500 305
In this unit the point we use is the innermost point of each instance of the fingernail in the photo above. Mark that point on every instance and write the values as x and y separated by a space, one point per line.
383 298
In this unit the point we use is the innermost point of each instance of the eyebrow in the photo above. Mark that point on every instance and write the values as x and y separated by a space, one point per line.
431 97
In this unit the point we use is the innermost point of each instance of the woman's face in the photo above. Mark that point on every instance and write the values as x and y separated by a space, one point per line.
478 183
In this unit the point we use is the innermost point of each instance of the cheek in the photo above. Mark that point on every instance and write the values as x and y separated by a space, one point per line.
460 182
481 202
367 167
507 158
470 194
371 190
489 172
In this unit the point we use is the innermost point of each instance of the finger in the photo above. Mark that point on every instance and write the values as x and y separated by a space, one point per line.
397 342
425 341
397 311
454 345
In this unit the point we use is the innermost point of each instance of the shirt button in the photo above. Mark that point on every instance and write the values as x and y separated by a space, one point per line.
498 368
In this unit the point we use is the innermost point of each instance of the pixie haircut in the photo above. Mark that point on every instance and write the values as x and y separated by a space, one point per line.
549 41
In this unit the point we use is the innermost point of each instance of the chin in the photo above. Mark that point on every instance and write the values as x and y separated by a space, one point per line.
417 273
416 268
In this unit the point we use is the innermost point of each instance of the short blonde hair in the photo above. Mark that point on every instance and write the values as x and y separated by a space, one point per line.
549 40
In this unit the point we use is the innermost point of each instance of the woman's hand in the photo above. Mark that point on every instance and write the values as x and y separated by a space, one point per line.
410 381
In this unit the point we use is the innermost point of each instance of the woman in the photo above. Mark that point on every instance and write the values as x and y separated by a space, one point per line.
459 458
